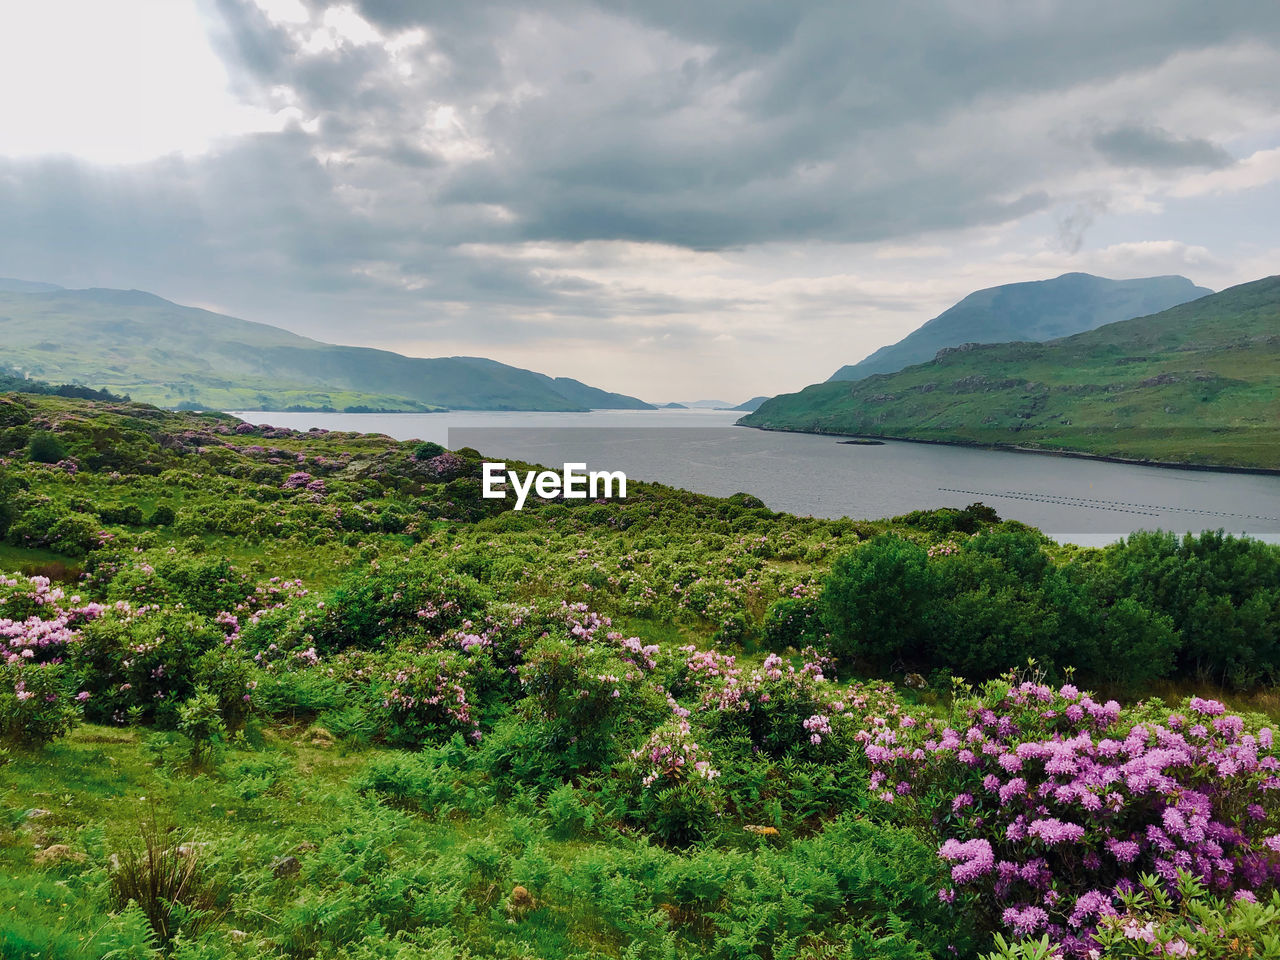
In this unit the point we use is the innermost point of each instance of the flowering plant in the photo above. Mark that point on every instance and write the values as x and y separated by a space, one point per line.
36 703
1049 805
784 710
674 786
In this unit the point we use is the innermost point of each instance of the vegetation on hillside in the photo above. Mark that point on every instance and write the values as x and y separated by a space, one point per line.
1199 384
277 694
128 341
11 382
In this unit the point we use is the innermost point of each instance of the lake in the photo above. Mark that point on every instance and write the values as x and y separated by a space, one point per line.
1079 501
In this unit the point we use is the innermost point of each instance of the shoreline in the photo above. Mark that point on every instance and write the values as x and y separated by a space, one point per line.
1015 448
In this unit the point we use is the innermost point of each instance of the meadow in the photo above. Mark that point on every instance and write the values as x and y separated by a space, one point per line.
276 694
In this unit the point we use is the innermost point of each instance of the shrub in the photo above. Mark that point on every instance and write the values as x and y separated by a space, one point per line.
790 622
584 702
425 697
736 630
673 786
1220 593
143 660
36 703
784 711
427 451
45 447
162 516
200 721
880 602
1050 806
75 534
230 679
395 601
127 514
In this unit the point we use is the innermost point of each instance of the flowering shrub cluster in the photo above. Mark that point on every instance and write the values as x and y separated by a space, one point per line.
671 756
427 697
39 699
675 791
1049 805
784 710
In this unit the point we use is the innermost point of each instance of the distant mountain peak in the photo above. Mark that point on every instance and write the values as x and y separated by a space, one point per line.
1034 310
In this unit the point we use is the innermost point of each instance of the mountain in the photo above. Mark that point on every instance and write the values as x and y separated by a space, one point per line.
1041 310
160 352
1198 383
705 404
750 405
26 286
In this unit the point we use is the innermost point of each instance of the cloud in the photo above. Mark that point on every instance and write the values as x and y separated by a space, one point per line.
1140 146
498 176
1256 170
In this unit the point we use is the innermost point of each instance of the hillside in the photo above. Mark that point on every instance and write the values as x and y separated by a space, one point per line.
160 352
275 695
1198 383
1038 311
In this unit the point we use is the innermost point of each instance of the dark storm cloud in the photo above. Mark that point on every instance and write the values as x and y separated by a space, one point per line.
709 125
1152 147
763 127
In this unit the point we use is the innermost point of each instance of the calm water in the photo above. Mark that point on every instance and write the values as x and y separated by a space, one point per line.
1080 501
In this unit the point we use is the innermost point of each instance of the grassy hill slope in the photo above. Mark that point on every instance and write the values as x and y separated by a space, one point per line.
1198 383
1041 310
160 352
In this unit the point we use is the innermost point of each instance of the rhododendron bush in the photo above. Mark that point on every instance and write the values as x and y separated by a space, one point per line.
1048 805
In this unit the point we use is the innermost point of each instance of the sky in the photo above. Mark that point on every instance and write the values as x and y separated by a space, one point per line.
673 200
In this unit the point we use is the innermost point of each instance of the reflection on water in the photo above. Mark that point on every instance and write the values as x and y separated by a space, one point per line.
1093 502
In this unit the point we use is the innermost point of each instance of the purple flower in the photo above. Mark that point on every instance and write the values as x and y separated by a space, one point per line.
1054 831
1025 921
972 858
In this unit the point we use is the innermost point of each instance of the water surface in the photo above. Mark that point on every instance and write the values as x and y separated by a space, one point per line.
1083 501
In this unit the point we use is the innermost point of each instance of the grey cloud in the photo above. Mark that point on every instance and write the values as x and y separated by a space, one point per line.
709 125
1141 146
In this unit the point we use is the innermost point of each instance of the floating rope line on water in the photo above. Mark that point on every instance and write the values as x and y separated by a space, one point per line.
1116 506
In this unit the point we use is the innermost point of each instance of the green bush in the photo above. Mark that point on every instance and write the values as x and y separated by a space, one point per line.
791 622
586 705
45 447
145 664
400 599
200 721
880 602
1220 593
226 675
162 516
37 703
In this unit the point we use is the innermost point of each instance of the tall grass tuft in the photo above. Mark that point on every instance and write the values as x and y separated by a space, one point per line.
161 871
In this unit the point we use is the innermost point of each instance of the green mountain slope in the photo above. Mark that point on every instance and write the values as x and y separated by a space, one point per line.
160 352
1198 383
1042 310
